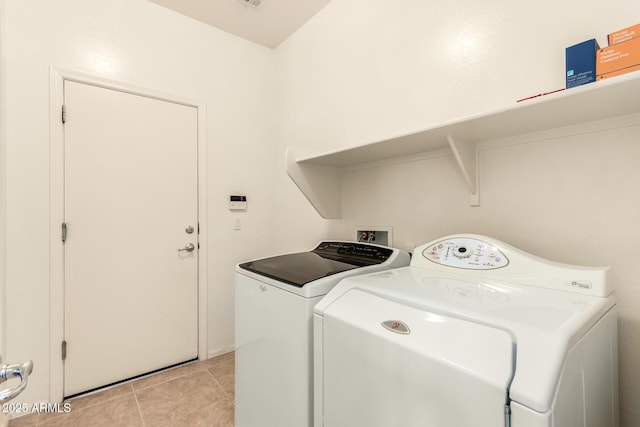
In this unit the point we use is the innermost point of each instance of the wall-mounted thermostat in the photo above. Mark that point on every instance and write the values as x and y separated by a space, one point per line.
238 203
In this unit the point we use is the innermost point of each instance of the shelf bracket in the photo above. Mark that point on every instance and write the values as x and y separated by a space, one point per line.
466 155
320 184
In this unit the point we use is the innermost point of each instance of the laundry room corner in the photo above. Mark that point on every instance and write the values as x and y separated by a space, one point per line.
384 71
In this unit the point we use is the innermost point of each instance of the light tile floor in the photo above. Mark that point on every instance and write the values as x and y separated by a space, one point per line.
198 394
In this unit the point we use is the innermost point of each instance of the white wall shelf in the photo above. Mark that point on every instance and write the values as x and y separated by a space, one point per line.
317 174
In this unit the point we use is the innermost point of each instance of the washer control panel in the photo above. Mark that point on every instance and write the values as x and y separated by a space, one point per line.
467 253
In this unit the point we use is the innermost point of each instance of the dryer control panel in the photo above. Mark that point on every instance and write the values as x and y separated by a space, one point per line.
482 256
467 253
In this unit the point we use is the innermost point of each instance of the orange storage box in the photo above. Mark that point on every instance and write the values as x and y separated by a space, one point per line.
618 56
618 72
624 34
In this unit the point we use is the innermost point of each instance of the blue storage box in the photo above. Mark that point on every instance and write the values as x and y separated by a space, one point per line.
581 63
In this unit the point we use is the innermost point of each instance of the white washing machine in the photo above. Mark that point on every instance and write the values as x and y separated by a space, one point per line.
474 333
273 326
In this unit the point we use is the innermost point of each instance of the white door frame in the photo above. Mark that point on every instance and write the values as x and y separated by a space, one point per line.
56 250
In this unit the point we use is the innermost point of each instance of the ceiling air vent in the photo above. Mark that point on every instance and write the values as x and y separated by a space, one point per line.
250 3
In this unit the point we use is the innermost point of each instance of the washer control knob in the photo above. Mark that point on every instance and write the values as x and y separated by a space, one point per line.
462 252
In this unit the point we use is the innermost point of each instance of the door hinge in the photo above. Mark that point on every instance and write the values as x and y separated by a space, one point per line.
64 350
64 232
64 114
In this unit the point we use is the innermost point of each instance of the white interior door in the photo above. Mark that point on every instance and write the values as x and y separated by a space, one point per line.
130 202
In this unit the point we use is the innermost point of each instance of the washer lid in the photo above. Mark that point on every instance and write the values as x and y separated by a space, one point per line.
297 269
545 323
387 363
326 259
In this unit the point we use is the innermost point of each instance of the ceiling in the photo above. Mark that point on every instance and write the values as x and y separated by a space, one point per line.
268 24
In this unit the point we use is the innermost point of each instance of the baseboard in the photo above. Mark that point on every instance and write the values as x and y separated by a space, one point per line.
221 351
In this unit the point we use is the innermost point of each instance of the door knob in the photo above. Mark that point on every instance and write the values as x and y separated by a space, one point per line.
189 247
21 370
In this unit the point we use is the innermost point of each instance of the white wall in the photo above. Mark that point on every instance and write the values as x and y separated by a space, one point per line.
3 189
363 71
141 44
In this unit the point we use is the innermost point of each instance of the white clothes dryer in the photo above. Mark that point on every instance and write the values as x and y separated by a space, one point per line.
474 333
273 326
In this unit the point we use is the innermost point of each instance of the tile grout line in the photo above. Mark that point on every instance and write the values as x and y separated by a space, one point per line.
220 386
165 381
204 366
135 396
136 391
98 393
